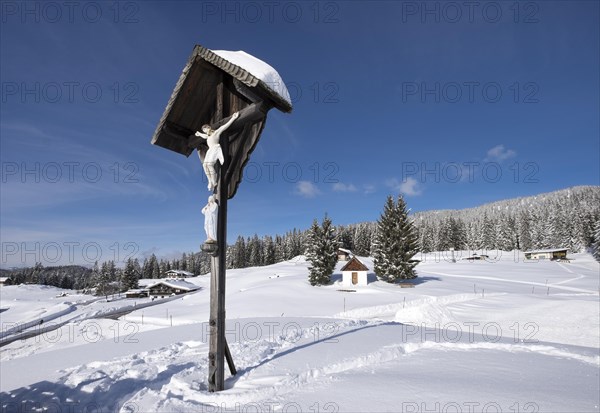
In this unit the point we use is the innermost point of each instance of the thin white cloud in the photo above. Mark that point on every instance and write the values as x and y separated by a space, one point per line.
369 189
499 153
409 186
307 189
340 187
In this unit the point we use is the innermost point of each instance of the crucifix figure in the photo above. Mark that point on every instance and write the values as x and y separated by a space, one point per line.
214 152
210 219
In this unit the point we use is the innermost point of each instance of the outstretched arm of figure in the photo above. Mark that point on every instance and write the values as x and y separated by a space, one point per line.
194 142
228 124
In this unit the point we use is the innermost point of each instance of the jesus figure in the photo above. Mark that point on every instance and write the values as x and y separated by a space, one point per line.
214 152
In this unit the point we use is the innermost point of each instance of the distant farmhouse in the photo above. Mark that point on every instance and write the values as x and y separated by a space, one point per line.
476 257
344 254
137 293
167 287
5 281
549 254
354 273
179 274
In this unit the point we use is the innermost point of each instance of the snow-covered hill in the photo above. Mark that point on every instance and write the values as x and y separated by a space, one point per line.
496 335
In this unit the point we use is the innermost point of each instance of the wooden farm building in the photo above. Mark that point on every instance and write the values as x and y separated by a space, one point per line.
137 293
5 281
354 273
167 287
179 274
476 257
547 254
344 254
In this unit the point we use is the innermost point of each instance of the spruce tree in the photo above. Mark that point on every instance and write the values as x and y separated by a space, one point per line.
362 240
596 244
426 239
95 276
395 243
330 246
183 262
130 275
162 268
279 249
268 250
103 280
321 252
154 267
239 253
137 267
146 269
312 253
384 240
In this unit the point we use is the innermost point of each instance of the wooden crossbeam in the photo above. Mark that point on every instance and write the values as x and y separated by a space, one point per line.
248 116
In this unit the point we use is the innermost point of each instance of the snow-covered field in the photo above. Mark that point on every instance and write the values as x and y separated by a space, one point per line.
484 336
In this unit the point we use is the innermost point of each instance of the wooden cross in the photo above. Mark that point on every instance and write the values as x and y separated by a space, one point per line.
209 90
218 347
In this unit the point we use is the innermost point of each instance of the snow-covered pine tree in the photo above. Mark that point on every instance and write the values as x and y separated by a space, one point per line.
330 246
254 247
504 235
146 269
321 251
345 237
103 280
163 268
488 234
312 253
298 246
288 245
384 243
137 267
459 234
279 249
596 244
362 240
95 276
268 250
183 262
523 240
239 259
395 243
444 235
427 239
151 269
130 277
472 236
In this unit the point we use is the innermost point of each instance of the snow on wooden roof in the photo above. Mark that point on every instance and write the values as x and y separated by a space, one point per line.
345 250
180 284
252 71
546 250
355 265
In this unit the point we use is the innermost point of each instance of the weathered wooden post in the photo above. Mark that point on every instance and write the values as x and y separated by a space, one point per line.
213 86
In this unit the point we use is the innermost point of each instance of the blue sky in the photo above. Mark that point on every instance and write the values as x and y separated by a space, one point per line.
450 104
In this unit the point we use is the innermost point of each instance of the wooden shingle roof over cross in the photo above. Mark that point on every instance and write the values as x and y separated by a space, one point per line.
210 89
